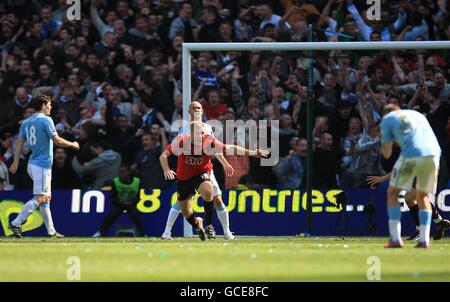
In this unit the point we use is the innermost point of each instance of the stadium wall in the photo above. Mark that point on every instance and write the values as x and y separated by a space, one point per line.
262 212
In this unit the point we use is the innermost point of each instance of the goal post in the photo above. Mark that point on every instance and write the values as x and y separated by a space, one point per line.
188 48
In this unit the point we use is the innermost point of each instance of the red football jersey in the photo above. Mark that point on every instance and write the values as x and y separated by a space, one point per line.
189 164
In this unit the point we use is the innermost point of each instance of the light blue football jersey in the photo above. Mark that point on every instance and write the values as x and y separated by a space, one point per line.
37 131
411 130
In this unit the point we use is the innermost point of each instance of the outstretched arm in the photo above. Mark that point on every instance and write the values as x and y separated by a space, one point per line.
258 153
59 141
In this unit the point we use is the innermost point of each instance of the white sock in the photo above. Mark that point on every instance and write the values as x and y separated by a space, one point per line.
173 215
395 226
26 211
395 229
222 214
47 216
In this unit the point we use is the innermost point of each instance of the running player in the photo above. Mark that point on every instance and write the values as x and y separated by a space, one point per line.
419 159
193 171
39 134
196 112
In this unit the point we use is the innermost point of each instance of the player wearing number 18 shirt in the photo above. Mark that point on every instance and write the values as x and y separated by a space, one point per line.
38 134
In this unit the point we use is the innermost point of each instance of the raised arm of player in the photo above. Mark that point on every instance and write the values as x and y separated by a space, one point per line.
17 152
163 159
59 141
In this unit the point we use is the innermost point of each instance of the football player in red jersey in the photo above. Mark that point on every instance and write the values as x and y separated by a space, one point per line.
194 166
196 113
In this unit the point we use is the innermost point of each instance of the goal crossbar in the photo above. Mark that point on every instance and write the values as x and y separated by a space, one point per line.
289 46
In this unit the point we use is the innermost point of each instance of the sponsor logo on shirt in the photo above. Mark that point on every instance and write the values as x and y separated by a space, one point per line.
194 161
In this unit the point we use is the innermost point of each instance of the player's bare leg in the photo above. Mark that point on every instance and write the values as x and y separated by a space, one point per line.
206 191
188 213
394 215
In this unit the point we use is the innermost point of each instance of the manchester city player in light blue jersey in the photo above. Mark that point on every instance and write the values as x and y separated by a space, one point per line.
39 134
419 160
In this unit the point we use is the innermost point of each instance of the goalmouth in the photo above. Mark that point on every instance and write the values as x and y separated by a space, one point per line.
291 46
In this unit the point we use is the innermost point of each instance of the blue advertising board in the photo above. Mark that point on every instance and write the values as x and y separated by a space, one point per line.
262 212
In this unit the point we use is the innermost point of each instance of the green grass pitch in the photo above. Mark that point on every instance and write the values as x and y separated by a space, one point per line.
246 259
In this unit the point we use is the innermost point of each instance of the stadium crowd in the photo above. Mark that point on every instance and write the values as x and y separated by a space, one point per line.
115 80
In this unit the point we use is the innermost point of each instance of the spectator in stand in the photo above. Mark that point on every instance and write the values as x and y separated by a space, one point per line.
69 103
184 24
209 29
265 12
380 26
326 163
213 107
104 166
327 93
63 175
49 24
203 74
289 170
146 163
296 10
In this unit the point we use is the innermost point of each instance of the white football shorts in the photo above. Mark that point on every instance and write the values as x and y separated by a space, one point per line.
423 169
42 179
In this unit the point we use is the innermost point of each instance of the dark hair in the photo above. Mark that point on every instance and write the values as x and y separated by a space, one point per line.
211 9
142 17
104 144
122 115
268 26
126 166
40 100
212 89
416 19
